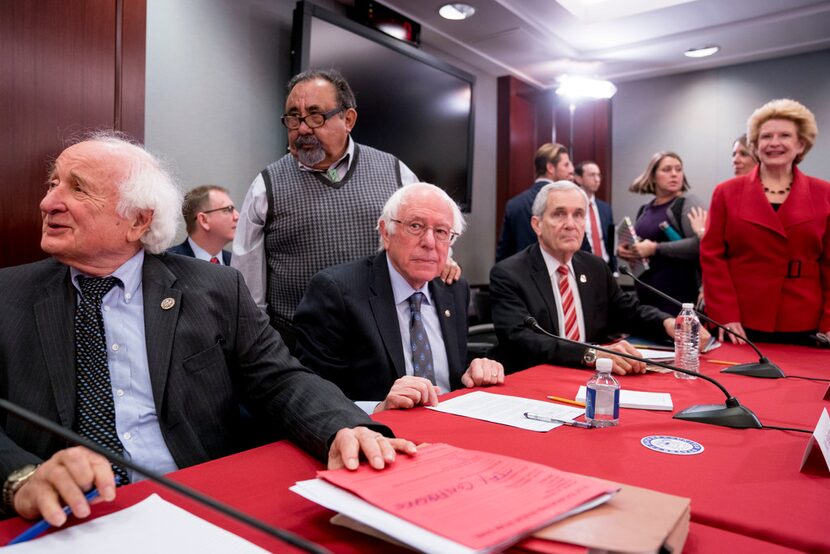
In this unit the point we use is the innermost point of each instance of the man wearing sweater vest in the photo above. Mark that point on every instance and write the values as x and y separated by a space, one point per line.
316 206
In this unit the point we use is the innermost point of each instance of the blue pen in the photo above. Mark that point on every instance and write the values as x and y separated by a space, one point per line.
42 526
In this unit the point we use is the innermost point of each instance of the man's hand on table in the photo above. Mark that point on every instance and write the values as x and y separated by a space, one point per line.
379 450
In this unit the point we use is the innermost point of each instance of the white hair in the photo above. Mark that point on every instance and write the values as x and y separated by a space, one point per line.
147 186
399 197
541 200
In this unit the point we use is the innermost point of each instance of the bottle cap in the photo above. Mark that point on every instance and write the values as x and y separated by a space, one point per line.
604 365
688 306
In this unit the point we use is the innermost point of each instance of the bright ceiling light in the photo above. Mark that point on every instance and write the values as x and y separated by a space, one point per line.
575 88
456 11
701 52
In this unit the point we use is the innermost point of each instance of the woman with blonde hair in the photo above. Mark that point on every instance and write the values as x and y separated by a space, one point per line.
666 235
743 159
766 269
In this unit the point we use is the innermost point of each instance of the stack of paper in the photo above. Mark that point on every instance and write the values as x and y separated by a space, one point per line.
447 499
638 399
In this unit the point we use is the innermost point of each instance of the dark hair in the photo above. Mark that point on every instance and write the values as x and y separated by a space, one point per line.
581 166
196 201
550 152
645 183
345 95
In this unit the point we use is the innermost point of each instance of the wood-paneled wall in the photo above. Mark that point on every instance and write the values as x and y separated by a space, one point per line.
67 67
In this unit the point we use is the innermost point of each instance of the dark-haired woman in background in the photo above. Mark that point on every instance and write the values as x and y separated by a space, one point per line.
765 253
665 230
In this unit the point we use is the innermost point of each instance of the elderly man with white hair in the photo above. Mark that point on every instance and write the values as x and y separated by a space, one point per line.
146 354
385 328
571 293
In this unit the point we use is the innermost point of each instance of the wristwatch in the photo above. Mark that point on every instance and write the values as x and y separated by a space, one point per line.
589 358
15 480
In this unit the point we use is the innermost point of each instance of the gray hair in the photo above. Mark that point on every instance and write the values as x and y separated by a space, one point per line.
541 201
344 92
148 186
398 199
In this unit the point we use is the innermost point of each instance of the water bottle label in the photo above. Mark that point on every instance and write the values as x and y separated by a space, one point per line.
617 404
590 403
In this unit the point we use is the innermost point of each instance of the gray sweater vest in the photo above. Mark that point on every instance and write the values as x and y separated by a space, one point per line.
313 223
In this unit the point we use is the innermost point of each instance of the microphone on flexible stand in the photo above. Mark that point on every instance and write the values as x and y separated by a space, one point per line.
54 428
762 368
732 414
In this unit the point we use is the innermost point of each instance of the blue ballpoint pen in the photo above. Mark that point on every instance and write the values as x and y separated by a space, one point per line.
42 526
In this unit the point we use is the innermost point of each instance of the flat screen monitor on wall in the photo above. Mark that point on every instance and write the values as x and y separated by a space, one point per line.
409 103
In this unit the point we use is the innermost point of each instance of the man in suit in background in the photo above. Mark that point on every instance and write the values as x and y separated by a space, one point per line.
599 222
386 329
552 163
570 293
144 353
210 218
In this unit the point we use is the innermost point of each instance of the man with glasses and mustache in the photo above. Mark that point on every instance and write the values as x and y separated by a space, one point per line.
316 206
385 328
211 219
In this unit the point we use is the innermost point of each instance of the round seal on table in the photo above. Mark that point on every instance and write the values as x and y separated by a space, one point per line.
672 445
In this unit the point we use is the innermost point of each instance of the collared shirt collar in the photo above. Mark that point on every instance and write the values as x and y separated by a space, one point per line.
346 159
129 273
203 254
553 264
401 289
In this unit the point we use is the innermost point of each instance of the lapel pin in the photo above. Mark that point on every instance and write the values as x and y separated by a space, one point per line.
583 279
447 313
167 303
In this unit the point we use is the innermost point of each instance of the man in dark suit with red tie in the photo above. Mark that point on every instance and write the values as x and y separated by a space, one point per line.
599 221
210 218
386 329
571 293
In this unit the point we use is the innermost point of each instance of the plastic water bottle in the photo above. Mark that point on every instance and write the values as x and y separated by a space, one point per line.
687 342
602 406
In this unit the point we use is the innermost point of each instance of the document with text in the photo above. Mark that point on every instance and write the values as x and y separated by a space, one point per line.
507 410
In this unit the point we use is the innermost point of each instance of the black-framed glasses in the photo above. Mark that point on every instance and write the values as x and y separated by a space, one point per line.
312 120
229 209
417 229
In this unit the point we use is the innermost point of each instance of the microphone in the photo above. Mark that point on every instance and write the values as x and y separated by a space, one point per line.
54 428
762 368
732 414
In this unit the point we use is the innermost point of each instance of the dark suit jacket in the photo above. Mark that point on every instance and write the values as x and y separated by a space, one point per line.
516 232
520 286
348 331
606 221
213 348
185 250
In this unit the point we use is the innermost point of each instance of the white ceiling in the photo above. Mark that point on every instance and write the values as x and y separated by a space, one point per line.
539 40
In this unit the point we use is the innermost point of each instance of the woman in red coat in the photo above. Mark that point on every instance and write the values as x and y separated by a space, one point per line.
766 251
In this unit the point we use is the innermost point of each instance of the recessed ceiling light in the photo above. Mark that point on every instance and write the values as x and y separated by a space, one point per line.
456 11
701 52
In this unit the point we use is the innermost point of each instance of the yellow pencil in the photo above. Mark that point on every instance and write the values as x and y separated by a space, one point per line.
567 401
723 362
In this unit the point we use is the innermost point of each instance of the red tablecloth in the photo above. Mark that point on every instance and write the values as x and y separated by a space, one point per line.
747 493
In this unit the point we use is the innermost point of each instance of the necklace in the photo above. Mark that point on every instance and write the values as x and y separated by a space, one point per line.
785 191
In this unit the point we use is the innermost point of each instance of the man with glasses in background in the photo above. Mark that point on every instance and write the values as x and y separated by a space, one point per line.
385 328
211 219
316 206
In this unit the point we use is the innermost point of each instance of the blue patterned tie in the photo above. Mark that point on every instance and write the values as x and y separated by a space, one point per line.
95 417
418 340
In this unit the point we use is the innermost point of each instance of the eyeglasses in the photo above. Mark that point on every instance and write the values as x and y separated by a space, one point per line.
227 209
312 120
417 229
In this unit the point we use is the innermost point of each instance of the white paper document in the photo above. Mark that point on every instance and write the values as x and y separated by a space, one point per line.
638 399
152 525
659 355
507 410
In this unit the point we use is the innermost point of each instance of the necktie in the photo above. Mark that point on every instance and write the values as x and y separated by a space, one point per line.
418 340
214 260
596 238
568 306
95 417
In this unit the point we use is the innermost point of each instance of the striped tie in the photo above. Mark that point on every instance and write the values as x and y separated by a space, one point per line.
568 307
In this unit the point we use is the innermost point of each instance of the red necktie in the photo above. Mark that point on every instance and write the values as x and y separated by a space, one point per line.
568 307
596 239
214 260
